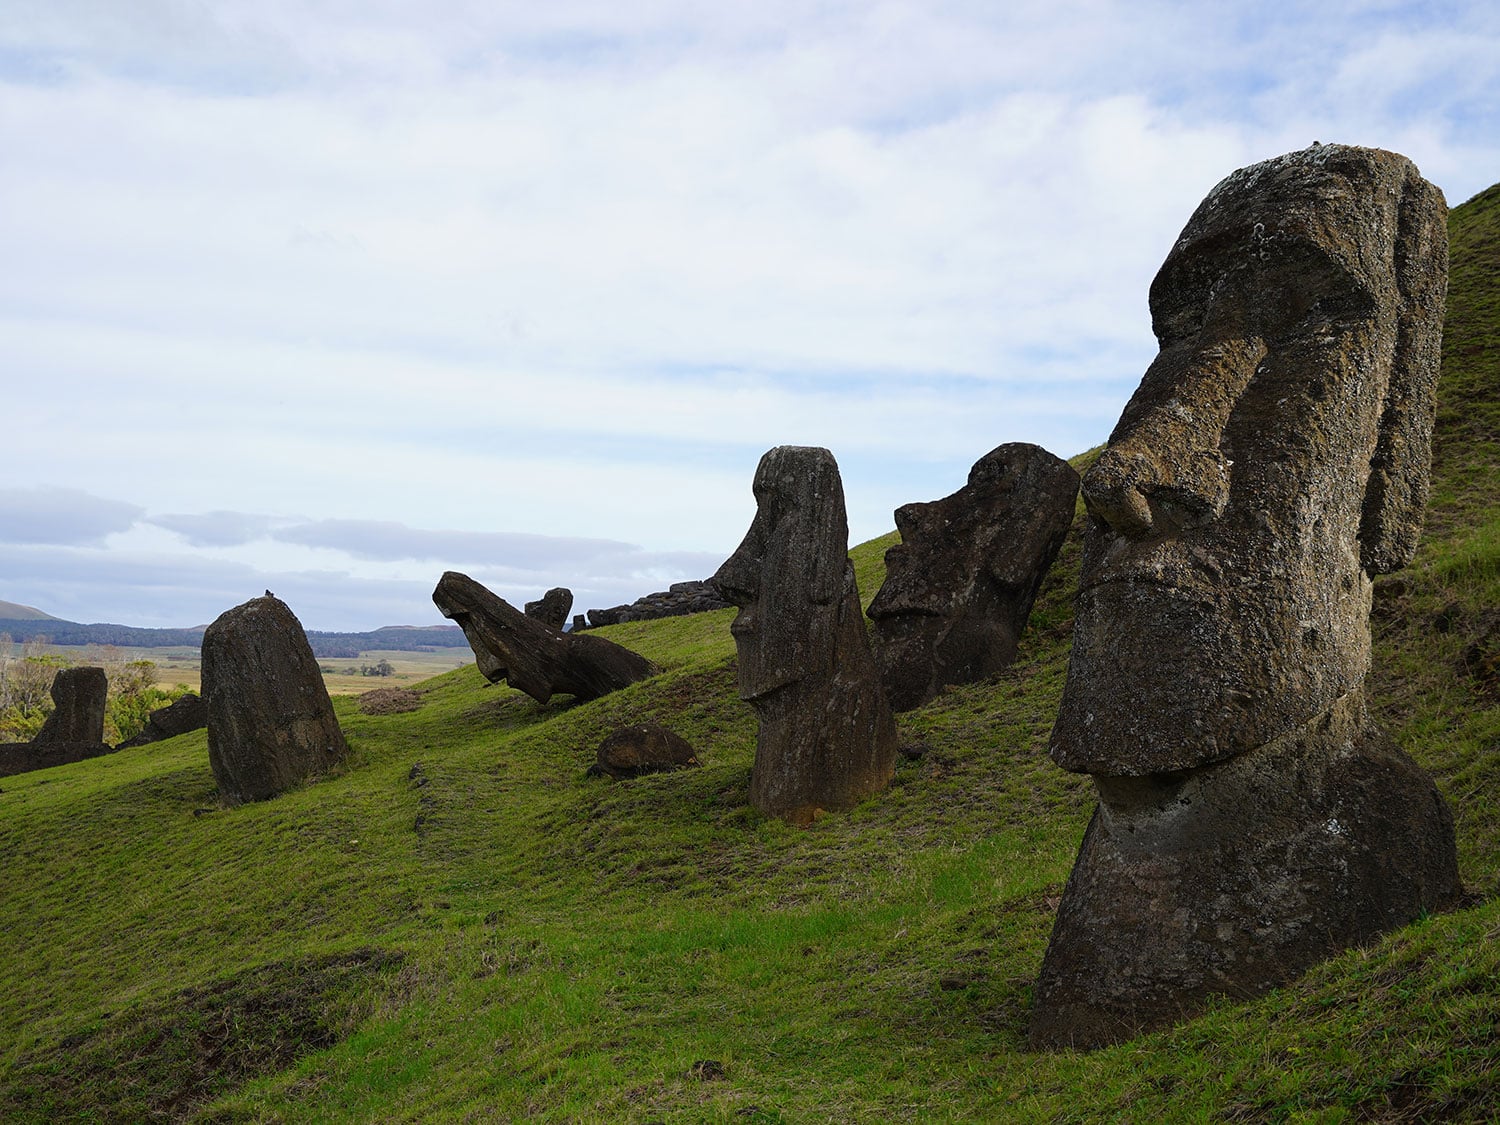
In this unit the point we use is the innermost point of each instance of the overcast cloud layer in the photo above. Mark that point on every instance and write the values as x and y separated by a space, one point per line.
329 298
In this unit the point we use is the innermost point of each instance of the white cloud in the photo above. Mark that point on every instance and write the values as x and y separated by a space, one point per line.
568 269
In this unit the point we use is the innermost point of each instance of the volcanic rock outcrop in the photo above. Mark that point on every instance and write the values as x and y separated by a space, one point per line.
179 717
79 696
960 584
530 655
270 721
826 739
678 600
642 749
552 608
1252 819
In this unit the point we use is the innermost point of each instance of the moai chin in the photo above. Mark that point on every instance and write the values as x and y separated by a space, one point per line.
1274 459
960 584
826 739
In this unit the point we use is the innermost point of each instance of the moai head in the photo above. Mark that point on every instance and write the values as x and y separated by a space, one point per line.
1272 461
961 582
788 575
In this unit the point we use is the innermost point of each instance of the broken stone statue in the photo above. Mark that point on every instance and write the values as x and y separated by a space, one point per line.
270 721
79 697
552 608
531 655
960 584
826 739
1252 819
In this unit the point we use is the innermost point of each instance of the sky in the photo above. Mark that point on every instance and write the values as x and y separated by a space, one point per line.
328 297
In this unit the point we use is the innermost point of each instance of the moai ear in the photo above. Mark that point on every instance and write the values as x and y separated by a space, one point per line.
1396 492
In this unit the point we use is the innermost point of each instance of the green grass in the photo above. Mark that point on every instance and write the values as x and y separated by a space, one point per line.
459 925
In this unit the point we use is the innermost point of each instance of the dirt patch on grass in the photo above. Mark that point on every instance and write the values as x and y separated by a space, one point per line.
389 701
164 1059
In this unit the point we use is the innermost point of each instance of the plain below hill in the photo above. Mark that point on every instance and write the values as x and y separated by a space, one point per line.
460 926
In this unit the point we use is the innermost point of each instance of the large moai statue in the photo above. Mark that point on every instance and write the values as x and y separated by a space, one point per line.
528 653
827 739
79 697
1252 819
960 584
270 721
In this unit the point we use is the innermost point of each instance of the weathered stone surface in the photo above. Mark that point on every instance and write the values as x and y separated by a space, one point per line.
270 721
179 717
23 757
78 700
960 584
641 749
827 739
552 609
1272 462
678 600
530 655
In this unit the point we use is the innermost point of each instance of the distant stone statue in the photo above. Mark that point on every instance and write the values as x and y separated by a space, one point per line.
186 714
827 739
270 721
960 584
552 608
79 696
530 655
1252 820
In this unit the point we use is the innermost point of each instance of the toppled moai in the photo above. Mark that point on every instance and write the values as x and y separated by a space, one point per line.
551 609
530 655
1252 819
188 713
270 721
960 584
827 739
79 696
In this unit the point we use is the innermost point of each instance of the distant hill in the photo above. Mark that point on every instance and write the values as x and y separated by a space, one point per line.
31 623
11 611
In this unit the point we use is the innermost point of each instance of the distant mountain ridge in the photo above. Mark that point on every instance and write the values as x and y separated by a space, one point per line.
24 623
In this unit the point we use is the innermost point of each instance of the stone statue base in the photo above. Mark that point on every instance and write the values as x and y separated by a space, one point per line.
1236 877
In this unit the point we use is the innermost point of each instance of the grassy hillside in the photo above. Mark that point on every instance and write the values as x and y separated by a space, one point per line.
14 611
462 927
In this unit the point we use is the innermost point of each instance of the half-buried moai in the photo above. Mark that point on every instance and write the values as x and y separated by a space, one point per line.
827 739
79 696
531 655
1252 819
960 584
270 722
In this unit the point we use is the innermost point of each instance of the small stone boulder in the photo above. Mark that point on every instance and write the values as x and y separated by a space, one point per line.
270 721
189 713
78 698
552 608
641 749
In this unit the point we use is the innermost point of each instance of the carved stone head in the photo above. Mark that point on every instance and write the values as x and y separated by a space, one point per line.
961 582
788 575
1273 460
